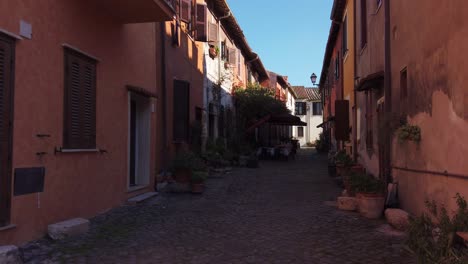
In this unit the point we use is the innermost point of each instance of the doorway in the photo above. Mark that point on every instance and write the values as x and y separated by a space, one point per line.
139 140
7 59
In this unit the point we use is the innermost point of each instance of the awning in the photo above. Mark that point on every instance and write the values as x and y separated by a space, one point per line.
329 119
139 11
371 81
280 120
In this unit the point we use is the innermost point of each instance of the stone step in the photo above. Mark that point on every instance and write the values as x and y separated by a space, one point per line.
9 255
68 228
141 198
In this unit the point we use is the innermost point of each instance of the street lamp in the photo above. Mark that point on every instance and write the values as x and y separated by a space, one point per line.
313 78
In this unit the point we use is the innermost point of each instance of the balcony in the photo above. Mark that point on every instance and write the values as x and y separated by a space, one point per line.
139 11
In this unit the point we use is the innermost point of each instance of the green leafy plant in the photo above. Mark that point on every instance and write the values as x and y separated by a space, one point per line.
431 236
409 132
364 183
183 160
199 177
343 158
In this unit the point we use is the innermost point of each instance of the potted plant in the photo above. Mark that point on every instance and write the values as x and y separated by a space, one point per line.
370 194
198 181
213 51
182 167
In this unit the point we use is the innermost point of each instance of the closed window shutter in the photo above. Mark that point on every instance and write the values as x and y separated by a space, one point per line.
80 101
201 27
6 105
232 56
181 106
185 10
213 32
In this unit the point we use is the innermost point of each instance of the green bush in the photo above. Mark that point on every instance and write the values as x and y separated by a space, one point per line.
363 183
431 236
343 158
199 177
409 133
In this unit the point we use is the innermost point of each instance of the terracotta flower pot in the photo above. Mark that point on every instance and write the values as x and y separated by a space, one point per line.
183 175
371 205
198 188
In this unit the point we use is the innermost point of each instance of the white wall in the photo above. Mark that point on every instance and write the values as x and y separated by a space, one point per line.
311 132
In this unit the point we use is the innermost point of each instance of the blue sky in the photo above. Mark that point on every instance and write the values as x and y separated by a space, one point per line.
290 36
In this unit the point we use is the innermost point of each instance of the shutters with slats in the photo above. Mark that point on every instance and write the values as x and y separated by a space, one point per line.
232 56
186 10
342 120
212 32
201 26
80 101
181 105
6 106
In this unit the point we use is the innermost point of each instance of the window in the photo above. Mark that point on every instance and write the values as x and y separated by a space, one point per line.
201 23
80 101
300 132
345 35
223 50
181 106
403 84
363 23
301 108
7 65
185 12
317 108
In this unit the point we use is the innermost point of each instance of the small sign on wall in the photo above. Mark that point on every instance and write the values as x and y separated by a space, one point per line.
25 29
29 180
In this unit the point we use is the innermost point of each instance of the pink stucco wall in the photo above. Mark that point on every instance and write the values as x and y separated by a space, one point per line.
81 184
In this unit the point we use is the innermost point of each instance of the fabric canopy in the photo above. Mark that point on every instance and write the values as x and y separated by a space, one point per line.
281 120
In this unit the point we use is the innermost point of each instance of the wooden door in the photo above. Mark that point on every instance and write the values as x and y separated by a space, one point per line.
6 124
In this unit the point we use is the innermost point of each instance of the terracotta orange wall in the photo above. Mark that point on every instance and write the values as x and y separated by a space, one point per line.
184 63
437 100
81 184
369 59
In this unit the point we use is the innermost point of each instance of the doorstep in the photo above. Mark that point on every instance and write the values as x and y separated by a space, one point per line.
141 198
463 236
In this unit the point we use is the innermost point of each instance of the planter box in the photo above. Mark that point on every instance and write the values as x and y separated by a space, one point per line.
371 205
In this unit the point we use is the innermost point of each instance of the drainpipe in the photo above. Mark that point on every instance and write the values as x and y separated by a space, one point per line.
355 150
388 94
164 150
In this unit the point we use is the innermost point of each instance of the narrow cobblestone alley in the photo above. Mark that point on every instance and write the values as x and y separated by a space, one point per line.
275 214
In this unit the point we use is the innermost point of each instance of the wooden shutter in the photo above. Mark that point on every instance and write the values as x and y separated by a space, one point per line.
363 23
232 56
342 120
186 10
212 32
7 46
181 106
201 26
80 101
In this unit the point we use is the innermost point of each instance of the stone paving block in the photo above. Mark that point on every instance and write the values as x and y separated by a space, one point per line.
72 227
9 255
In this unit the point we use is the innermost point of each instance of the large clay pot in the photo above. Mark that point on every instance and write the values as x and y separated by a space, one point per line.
198 188
371 205
183 175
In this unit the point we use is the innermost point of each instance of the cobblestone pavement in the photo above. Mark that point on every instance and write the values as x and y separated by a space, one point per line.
275 214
